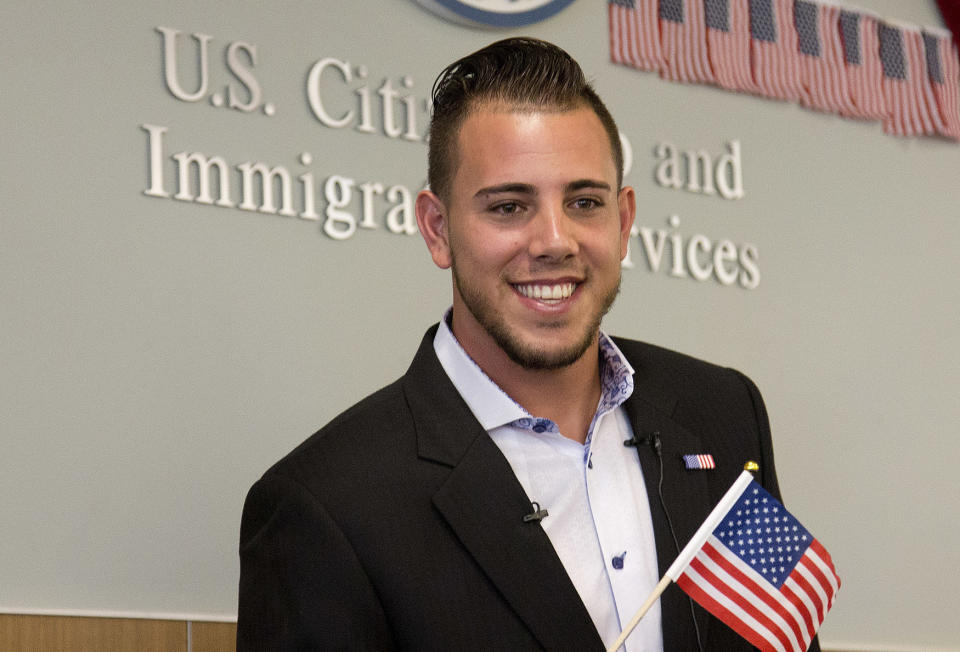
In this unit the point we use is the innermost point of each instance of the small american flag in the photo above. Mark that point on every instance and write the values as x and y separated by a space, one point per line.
906 85
635 33
861 56
776 59
822 70
683 37
701 461
728 41
756 568
943 68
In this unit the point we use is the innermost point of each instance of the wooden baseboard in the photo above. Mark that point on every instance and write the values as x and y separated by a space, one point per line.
213 637
22 633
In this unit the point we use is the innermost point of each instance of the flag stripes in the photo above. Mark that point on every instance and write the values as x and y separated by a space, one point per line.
861 46
821 57
683 38
728 44
635 34
784 620
906 86
943 68
776 58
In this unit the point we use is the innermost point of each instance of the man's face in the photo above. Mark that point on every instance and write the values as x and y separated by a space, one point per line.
535 232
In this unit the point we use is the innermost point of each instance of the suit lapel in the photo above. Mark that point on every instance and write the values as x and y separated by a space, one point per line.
484 504
685 496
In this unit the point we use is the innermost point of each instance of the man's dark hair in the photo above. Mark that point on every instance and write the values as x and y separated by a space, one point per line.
522 73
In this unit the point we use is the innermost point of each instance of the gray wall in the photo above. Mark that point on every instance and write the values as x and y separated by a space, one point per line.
158 354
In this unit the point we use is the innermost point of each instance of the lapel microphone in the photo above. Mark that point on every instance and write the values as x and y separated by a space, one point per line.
652 440
537 514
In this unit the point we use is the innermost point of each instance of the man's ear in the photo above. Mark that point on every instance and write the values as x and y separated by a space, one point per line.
627 208
433 222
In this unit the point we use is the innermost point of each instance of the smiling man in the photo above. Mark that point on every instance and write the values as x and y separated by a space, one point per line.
523 485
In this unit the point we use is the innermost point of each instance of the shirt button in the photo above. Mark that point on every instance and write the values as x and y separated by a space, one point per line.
617 561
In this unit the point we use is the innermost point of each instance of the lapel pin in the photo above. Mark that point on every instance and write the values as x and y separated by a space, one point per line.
702 461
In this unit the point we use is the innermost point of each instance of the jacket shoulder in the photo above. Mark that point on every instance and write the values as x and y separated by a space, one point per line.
363 432
675 371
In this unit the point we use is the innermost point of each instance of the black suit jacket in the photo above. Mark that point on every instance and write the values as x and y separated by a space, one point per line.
399 525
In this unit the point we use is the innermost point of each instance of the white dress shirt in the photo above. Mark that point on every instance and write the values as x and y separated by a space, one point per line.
599 519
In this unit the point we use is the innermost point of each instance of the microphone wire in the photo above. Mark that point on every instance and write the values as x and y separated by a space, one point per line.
655 442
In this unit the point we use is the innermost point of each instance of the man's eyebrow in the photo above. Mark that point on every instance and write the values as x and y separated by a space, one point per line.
528 189
509 187
584 184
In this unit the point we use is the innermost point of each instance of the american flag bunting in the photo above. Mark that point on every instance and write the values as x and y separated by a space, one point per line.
861 56
906 86
635 33
776 59
822 54
728 43
756 568
943 69
683 38
822 72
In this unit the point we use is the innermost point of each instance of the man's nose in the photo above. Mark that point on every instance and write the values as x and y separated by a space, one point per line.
553 234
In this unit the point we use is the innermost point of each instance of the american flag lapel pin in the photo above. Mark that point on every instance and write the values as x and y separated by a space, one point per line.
700 461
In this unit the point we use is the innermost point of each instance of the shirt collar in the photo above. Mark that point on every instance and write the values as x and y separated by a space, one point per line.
493 407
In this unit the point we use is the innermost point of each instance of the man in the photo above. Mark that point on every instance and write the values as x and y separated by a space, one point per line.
487 499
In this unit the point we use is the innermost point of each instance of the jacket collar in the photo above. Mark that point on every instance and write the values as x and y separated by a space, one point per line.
484 504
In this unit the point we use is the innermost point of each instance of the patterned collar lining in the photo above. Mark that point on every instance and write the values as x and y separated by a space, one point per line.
616 385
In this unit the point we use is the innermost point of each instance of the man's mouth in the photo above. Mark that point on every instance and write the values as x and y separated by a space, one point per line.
548 293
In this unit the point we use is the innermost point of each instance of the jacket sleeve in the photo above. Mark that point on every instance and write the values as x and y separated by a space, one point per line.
302 586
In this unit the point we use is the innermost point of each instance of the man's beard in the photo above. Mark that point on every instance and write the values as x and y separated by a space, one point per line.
528 356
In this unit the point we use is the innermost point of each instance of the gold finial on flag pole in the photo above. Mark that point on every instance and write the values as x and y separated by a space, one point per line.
751 466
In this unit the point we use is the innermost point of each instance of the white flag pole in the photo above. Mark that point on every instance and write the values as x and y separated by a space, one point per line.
689 551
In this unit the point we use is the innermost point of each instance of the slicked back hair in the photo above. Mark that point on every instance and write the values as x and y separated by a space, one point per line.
522 73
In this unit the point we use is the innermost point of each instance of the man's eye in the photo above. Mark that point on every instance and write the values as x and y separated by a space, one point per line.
507 208
586 203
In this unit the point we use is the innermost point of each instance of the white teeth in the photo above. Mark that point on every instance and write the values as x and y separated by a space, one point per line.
547 292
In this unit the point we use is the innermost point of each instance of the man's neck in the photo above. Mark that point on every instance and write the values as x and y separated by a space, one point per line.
568 396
